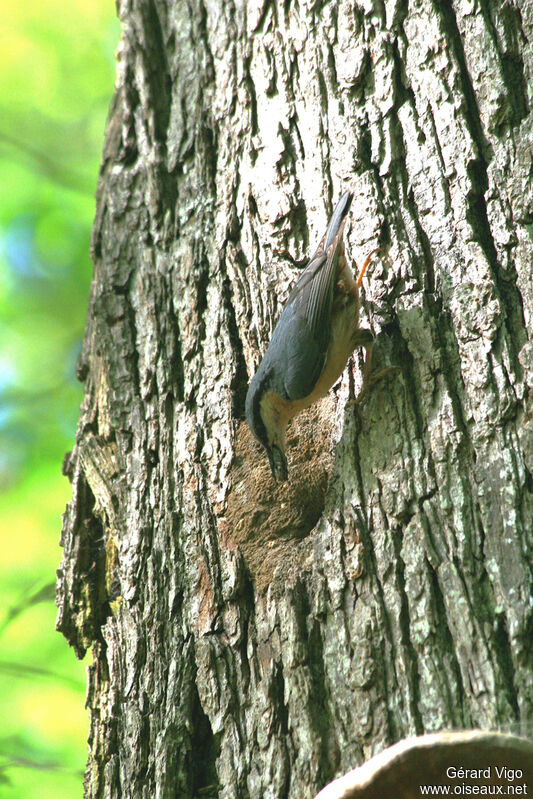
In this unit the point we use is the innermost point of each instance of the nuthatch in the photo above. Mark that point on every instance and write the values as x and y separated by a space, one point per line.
315 335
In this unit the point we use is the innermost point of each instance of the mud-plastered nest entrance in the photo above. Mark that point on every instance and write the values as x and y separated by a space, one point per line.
267 520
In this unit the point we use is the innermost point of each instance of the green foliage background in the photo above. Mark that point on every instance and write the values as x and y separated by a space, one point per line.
56 80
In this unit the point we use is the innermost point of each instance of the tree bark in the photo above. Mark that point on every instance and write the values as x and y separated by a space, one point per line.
254 640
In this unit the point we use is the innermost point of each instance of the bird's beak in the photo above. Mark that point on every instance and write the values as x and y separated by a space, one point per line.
278 463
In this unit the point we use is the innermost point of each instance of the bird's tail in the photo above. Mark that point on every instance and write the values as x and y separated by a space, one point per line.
339 214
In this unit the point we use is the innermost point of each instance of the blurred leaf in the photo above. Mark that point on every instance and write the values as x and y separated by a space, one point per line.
39 161
51 138
45 594
18 751
26 670
56 80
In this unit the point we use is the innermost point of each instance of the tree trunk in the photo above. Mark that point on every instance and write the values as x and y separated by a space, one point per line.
252 640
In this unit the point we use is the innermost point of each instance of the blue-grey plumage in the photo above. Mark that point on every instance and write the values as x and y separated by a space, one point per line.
315 335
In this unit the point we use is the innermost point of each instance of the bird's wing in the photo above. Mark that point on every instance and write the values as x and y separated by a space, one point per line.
304 357
307 322
304 327
312 295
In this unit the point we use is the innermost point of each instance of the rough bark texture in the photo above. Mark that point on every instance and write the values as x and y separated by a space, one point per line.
254 641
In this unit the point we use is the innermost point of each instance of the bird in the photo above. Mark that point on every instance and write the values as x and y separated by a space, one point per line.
314 337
